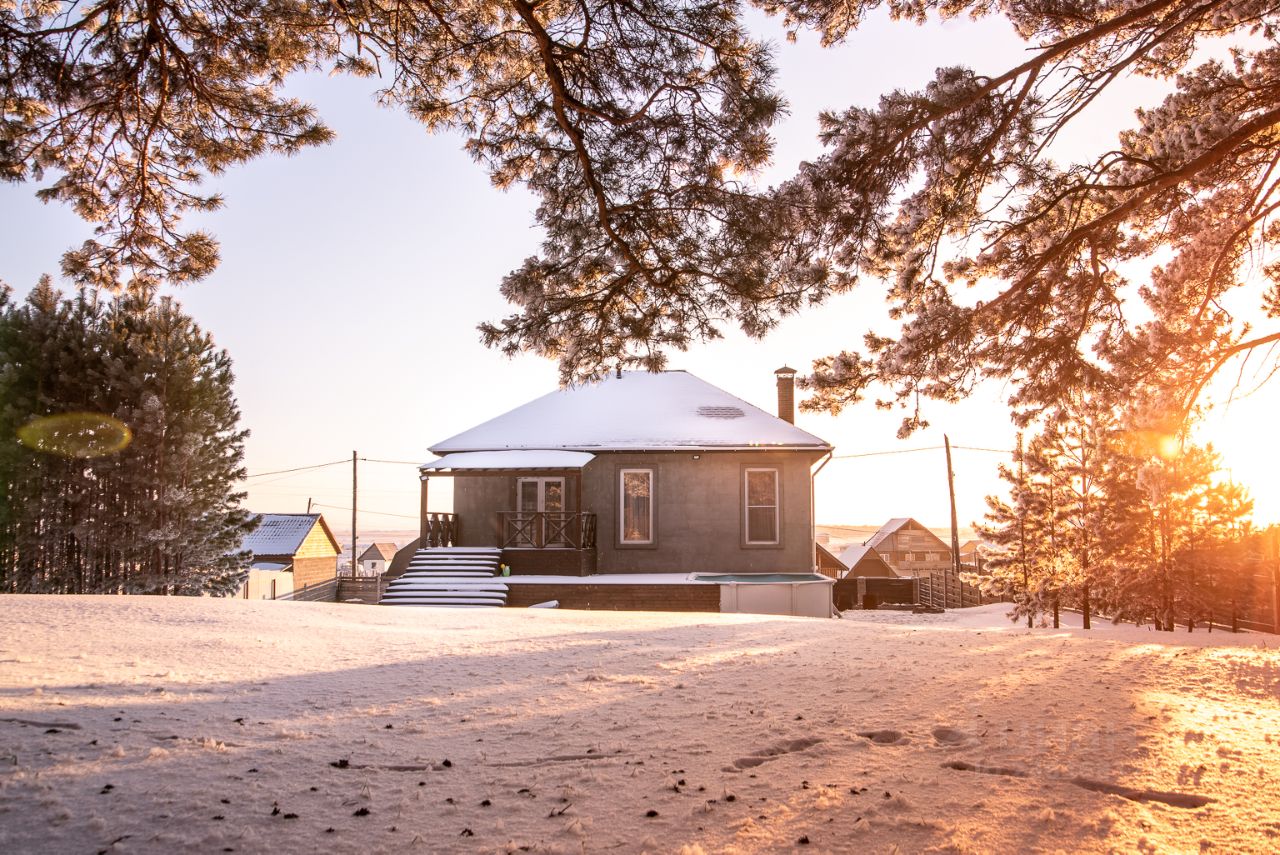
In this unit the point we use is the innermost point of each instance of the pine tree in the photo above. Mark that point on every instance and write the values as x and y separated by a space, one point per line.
158 515
1025 556
635 124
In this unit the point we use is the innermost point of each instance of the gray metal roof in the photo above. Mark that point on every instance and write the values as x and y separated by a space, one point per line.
887 529
280 534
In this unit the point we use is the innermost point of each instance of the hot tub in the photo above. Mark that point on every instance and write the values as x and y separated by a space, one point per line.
799 594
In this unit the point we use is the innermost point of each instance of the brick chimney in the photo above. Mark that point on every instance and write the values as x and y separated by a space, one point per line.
786 394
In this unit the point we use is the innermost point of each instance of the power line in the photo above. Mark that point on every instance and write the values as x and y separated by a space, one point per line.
331 463
297 469
914 450
377 513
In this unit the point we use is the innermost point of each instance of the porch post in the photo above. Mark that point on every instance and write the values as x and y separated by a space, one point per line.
577 509
422 514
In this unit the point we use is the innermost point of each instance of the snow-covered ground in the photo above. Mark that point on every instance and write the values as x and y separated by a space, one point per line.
148 724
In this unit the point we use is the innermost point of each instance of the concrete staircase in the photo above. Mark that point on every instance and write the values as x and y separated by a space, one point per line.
452 576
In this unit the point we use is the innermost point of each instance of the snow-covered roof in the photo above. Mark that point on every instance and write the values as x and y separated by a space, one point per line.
872 562
378 552
516 459
638 411
887 529
280 534
851 556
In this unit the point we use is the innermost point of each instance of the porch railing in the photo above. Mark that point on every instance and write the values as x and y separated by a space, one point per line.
439 530
547 530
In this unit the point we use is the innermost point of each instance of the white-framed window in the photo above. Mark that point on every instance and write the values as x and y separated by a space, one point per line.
635 506
760 513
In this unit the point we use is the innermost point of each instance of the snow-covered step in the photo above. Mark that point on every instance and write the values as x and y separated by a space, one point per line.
447 601
449 576
452 565
478 577
451 552
475 579
448 605
435 577
449 586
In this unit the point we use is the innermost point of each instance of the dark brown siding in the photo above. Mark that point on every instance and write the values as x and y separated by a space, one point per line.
477 499
550 562
652 598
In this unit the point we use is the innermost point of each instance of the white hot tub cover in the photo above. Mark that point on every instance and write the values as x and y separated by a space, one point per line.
474 461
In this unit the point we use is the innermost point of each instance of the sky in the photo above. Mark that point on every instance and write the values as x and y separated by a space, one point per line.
353 277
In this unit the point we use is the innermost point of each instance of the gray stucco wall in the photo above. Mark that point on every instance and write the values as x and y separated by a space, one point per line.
699 523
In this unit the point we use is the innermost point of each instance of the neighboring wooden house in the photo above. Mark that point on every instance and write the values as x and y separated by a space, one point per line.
910 548
376 559
863 560
642 473
293 551
864 571
970 556
827 564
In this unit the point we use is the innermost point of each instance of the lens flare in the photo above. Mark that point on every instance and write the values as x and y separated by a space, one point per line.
80 435
1168 447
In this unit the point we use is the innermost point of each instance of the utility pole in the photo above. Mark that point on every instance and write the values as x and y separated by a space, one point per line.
353 514
955 531
308 504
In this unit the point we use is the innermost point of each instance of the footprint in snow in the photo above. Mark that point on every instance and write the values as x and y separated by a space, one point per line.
773 752
950 735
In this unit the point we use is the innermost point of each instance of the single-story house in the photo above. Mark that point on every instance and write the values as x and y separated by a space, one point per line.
292 553
641 473
376 559
971 555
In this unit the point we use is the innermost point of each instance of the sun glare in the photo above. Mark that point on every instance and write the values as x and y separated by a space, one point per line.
1243 432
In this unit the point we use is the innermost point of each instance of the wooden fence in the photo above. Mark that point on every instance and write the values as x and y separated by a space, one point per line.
944 589
1246 599
320 592
361 589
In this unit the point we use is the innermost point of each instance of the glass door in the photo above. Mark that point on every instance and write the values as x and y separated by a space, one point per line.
536 498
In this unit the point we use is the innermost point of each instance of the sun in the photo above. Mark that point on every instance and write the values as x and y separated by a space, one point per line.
1244 430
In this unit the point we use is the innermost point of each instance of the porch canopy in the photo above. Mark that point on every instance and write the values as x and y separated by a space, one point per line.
506 461
540 528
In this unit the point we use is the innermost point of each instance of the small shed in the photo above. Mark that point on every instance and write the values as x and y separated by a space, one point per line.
868 573
863 560
376 559
291 552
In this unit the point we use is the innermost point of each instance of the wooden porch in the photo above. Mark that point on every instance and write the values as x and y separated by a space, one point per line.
547 533
533 543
